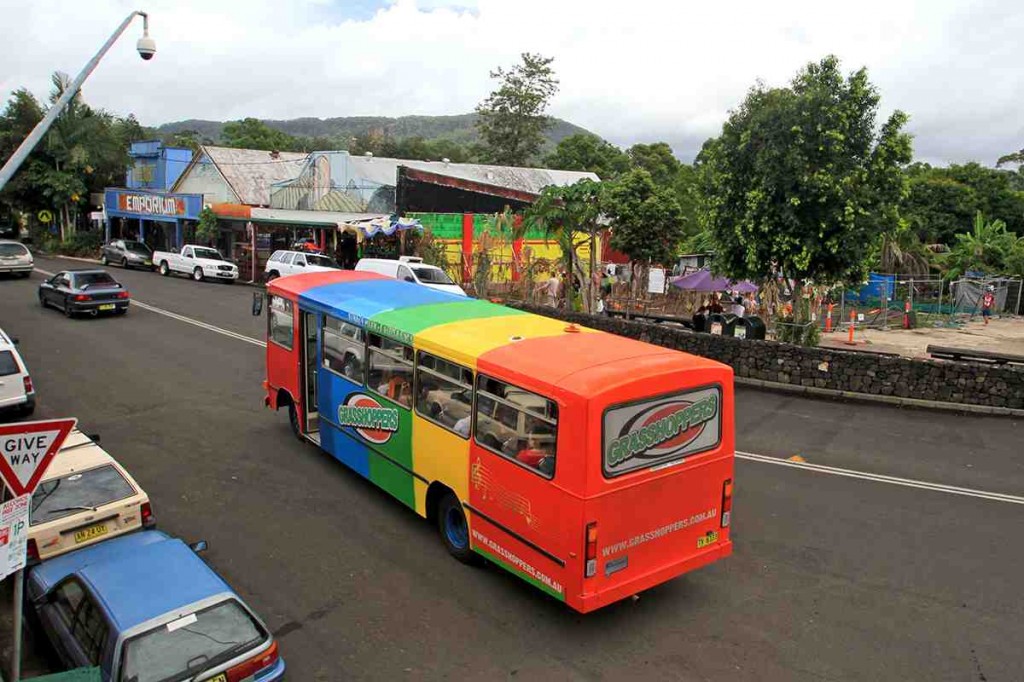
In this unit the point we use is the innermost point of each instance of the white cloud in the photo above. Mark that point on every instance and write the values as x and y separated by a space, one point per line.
638 71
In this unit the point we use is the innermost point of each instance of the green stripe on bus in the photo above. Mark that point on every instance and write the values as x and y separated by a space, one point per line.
522 574
415 319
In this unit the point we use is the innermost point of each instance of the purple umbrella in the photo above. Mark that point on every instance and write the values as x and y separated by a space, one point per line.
702 280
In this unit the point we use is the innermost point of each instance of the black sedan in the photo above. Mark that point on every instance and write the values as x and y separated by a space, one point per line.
84 291
127 254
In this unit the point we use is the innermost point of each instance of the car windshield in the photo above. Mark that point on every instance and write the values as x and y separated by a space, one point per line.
322 261
432 276
137 247
8 366
212 254
187 647
76 492
8 250
86 280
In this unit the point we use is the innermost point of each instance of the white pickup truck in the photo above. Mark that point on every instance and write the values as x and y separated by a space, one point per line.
201 262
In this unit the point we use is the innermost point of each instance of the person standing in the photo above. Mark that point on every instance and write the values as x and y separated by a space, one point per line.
987 301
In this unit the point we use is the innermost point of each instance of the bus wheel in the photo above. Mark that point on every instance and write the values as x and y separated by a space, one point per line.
454 529
293 419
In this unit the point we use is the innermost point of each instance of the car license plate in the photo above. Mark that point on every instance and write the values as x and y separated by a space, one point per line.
219 678
90 533
147 262
108 306
709 539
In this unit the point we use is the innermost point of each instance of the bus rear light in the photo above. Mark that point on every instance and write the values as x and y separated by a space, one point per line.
246 671
726 502
591 554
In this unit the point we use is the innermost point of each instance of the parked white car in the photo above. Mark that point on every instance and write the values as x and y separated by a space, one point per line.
16 390
200 262
412 269
284 263
14 257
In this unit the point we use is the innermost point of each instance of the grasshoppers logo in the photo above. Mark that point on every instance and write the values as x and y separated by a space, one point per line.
370 419
660 430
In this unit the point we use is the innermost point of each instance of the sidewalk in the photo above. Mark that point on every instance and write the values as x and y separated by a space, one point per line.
34 657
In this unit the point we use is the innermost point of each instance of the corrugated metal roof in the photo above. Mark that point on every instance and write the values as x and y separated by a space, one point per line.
251 172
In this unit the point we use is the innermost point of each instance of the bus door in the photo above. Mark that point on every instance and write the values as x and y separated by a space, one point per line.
309 362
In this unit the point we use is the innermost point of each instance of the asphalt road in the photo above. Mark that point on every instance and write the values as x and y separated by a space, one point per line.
833 577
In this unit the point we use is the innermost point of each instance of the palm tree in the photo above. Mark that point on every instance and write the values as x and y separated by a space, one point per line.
984 248
902 253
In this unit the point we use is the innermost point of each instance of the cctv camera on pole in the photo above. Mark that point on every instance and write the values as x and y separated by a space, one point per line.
146 47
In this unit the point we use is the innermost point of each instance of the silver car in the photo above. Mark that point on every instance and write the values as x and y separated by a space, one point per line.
127 254
15 258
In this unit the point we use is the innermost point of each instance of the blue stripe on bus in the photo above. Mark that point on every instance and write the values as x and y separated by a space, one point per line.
361 300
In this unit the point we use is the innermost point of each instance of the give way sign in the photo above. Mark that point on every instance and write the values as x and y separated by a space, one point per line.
26 449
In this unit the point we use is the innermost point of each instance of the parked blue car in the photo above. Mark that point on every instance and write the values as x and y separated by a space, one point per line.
145 608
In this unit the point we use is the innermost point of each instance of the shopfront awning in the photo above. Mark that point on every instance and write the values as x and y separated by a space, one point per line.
361 224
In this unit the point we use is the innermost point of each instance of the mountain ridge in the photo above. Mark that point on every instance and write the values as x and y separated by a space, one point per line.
456 128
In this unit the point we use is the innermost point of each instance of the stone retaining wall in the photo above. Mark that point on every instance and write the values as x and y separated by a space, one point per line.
860 372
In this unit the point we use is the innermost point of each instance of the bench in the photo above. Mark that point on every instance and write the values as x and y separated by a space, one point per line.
973 355
653 317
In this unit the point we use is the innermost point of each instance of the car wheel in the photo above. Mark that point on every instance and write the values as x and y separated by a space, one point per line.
197 274
124 263
350 370
28 409
42 299
272 275
454 529
103 259
26 275
293 419
68 311
164 270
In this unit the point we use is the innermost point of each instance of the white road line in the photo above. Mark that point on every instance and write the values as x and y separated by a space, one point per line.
881 478
764 459
187 320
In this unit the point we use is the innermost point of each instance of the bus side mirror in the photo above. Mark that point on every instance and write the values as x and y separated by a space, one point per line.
257 303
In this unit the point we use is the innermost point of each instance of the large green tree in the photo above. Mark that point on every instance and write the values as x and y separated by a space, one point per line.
657 159
646 222
511 120
587 152
802 183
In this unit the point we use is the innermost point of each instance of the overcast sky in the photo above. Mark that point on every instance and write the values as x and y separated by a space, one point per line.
637 71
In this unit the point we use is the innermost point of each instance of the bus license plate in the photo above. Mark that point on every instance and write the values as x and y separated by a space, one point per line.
90 533
108 306
709 539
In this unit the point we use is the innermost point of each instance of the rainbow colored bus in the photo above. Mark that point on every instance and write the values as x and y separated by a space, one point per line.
590 465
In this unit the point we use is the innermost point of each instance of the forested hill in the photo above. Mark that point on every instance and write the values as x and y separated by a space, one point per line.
458 128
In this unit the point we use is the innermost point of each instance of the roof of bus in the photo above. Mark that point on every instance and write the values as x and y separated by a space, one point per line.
472 331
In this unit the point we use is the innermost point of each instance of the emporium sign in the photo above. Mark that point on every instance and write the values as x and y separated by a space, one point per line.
151 204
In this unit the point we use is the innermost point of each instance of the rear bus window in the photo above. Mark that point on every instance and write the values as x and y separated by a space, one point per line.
517 424
344 350
281 321
444 393
391 370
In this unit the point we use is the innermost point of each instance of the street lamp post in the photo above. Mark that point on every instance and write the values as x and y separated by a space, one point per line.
146 47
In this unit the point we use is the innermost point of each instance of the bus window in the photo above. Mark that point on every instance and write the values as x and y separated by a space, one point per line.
517 424
444 393
281 322
391 370
344 351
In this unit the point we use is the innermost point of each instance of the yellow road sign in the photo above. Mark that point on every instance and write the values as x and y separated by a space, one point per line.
45 216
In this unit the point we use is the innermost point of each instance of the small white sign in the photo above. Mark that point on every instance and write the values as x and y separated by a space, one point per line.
716 328
656 281
860 317
181 622
13 534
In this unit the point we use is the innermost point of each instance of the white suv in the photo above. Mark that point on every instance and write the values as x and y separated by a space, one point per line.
15 258
16 391
284 263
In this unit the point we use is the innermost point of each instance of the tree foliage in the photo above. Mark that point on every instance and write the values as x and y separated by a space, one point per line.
658 160
986 248
589 153
252 133
511 119
801 183
646 222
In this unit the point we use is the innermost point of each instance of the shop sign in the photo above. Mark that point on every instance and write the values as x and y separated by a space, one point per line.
156 204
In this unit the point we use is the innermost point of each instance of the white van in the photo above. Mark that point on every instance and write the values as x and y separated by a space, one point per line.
16 390
411 269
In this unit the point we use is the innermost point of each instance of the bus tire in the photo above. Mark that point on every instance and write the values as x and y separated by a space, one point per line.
293 419
454 529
